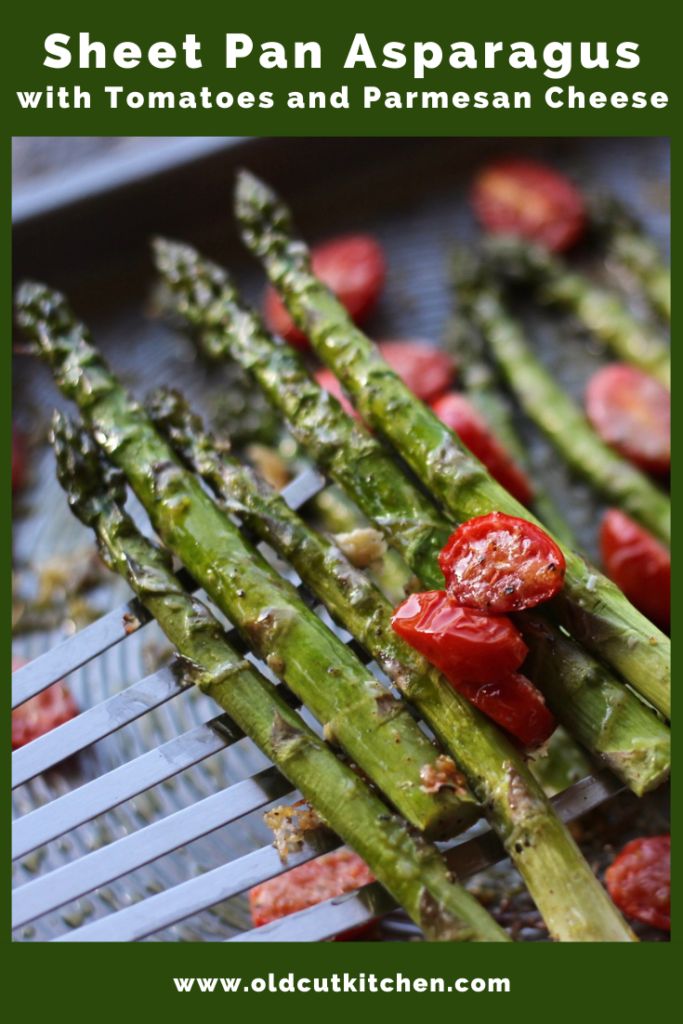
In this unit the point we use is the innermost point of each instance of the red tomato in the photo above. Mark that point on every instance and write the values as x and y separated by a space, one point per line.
460 415
499 563
327 380
523 197
639 880
352 266
41 713
18 461
638 564
517 706
479 655
331 875
427 370
463 644
632 412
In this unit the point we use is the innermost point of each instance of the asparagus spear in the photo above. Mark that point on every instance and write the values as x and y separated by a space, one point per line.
335 514
480 382
412 870
550 862
550 649
596 708
592 608
599 309
629 246
375 729
205 297
554 412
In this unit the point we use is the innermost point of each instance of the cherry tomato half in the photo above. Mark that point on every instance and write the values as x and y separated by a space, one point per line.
527 198
631 411
427 370
331 875
41 713
463 644
352 266
638 564
499 563
460 415
517 706
639 880
479 655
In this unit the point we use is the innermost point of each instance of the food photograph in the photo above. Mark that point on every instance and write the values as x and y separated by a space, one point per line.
341 540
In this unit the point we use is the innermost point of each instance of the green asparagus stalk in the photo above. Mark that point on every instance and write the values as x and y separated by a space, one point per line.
629 246
482 386
375 729
206 298
556 874
590 715
333 513
409 868
595 706
592 608
600 310
553 411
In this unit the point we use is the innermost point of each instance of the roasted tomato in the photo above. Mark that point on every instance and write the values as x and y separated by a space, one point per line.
427 370
516 705
638 564
18 461
460 415
527 198
499 563
464 644
632 412
41 713
333 874
352 266
479 655
639 881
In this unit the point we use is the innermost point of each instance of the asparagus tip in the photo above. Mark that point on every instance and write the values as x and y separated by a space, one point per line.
467 267
516 258
37 303
81 469
257 203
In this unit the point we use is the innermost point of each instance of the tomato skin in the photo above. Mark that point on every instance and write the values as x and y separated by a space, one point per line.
461 416
18 461
463 644
498 564
631 411
331 875
524 197
639 881
479 655
638 564
426 369
352 266
41 713
517 706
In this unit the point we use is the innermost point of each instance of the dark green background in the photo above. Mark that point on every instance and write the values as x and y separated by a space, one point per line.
588 982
